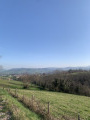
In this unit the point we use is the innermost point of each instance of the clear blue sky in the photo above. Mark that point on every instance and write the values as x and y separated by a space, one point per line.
44 33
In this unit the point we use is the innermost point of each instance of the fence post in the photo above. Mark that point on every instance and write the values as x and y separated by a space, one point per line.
15 91
48 107
32 99
8 89
78 117
23 97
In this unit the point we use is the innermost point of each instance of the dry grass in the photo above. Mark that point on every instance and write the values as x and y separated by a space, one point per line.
36 106
17 110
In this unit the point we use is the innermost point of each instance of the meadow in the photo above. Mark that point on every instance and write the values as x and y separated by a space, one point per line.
61 104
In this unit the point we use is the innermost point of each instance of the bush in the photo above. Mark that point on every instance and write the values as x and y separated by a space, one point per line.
26 85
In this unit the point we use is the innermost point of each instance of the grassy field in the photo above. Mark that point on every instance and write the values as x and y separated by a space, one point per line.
60 103
18 110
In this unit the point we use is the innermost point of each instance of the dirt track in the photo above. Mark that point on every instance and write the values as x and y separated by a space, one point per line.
4 113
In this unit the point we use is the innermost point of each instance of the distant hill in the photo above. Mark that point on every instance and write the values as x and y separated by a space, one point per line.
27 70
38 70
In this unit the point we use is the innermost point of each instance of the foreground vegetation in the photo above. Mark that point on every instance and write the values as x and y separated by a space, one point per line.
17 110
61 104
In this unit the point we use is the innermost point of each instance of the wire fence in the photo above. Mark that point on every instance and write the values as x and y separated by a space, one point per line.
46 110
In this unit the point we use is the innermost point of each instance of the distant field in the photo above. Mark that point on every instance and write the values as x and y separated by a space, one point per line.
60 103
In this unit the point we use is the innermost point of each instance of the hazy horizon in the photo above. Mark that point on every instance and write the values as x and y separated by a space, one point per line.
3 68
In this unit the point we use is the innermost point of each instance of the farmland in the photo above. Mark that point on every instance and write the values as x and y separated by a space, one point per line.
61 104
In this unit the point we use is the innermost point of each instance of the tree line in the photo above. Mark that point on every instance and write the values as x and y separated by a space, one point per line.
72 81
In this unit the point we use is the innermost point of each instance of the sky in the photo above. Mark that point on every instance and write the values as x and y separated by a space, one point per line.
44 33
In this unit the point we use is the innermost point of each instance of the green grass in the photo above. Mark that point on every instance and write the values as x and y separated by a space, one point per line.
22 112
60 103
10 84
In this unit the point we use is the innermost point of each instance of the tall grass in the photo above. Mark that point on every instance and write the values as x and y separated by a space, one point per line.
33 105
19 112
62 104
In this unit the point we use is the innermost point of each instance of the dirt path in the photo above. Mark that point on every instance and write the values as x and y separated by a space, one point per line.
4 113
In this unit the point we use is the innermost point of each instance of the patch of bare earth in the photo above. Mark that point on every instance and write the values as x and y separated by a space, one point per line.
4 113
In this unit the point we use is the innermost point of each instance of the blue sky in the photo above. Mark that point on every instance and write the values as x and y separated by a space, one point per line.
44 33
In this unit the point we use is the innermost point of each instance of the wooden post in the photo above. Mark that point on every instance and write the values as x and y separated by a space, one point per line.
48 107
78 117
32 99
8 89
15 92
29 101
23 97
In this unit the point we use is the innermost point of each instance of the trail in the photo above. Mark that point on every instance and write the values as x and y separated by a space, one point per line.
4 113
